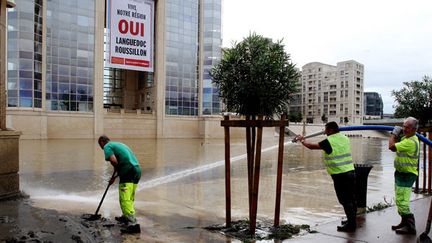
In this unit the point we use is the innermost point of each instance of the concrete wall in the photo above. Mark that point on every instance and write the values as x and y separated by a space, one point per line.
33 125
42 125
118 123
70 126
129 125
184 127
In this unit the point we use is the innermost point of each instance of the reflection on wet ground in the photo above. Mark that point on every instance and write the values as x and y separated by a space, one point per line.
182 185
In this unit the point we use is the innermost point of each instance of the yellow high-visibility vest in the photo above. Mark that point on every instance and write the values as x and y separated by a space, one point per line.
340 159
406 161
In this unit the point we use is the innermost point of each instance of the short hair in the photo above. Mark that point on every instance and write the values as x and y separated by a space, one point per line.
103 138
413 121
333 126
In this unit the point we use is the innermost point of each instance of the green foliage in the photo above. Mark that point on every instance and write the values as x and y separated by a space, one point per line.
415 99
295 116
256 77
287 231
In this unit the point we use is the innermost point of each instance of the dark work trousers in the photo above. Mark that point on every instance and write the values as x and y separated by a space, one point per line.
344 184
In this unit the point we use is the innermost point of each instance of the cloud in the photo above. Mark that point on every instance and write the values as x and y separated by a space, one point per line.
391 38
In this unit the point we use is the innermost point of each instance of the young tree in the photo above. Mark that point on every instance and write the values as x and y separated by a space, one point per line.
256 77
415 99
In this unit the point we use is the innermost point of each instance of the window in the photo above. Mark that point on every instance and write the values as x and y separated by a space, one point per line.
112 88
325 96
70 68
24 55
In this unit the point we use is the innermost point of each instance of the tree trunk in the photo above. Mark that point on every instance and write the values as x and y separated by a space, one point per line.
279 172
227 176
3 67
249 150
255 184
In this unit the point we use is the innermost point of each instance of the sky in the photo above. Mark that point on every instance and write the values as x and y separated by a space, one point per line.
391 38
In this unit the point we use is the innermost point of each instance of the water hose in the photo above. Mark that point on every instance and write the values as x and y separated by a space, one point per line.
371 127
382 128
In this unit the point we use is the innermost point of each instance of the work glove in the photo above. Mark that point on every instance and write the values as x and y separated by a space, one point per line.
397 130
298 138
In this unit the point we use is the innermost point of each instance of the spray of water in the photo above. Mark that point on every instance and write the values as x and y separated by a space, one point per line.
51 195
44 194
181 174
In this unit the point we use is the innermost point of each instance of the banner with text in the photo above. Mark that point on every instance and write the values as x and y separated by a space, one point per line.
130 34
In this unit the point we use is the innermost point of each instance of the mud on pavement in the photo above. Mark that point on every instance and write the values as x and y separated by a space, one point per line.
21 222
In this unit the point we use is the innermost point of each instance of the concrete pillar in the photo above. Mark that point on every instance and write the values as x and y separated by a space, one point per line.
3 64
160 67
98 108
9 164
9 140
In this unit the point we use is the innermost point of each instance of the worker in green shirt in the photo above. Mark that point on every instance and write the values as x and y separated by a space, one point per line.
128 169
407 150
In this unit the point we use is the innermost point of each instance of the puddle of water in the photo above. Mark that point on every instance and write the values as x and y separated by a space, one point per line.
183 180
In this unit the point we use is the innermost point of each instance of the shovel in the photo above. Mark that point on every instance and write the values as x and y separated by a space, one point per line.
424 238
96 216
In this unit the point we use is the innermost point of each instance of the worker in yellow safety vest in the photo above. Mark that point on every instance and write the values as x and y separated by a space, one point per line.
339 164
407 150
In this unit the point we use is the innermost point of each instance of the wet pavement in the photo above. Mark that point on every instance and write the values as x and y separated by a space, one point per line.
373 227
182 186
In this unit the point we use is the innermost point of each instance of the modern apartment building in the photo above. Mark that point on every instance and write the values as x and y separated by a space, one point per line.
373 105
59 86
330 93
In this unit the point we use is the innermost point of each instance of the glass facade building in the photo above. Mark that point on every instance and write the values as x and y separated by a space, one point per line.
181 46
212 42
192 47
183 28
24 84
58 85
373 104
70 55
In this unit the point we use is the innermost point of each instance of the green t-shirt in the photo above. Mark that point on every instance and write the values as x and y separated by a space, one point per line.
125 157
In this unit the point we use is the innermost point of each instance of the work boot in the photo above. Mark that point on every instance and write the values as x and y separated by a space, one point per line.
122 219
400 225
130 219
409 228
347 228
131 229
